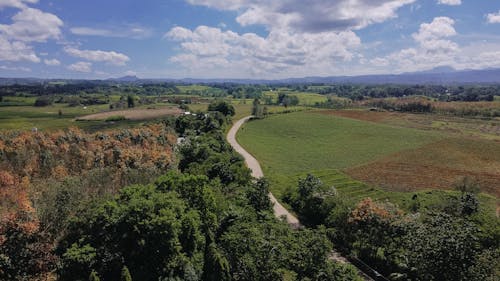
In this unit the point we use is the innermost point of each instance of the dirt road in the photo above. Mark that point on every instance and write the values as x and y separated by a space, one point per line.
253 164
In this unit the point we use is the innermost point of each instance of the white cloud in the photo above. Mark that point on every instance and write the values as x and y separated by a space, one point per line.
98 55
440 27
32 25
16 3
450 2
434 48
493 17
16 51
212 50
15 68
52 62
314 37
28 25
82 66
126 31
311 15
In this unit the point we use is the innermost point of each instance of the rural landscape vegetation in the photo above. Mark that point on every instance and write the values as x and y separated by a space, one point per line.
381 168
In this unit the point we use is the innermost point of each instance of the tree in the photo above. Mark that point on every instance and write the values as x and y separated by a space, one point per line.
468 187
130 101
442 247
43 101
222 107
258 195
257 109
141 222
125 276
93 276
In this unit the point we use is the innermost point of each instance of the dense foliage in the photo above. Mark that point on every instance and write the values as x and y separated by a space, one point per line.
206 221
447 241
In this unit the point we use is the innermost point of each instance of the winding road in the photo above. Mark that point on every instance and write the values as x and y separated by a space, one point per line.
254 166
279 210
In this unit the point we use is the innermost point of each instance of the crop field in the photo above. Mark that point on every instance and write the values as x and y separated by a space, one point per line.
48 118
364 157
299 142
450 125
189 88
133 114
27 117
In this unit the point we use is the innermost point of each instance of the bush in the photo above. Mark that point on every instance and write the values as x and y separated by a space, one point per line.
116 118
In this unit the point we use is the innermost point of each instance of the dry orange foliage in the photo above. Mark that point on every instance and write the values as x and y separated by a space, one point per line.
26 156
368 210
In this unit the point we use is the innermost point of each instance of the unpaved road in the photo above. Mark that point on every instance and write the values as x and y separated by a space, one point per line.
279 210
253 164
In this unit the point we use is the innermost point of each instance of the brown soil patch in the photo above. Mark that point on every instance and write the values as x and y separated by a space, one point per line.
437 165
135 114
364 115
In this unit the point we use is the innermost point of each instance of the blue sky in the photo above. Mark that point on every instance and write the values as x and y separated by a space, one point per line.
244 38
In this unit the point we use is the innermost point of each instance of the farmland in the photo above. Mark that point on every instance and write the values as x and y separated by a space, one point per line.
133 114
368 158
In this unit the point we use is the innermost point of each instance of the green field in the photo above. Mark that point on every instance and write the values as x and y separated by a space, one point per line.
304 98
47 117
298 142
290 146
190 88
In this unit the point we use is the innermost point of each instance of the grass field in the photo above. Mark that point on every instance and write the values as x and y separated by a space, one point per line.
340 149
27 117
304 98
189 88
133 114
47 117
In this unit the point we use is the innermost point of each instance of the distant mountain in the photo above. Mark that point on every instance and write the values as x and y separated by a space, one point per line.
128 78
440 75
443 75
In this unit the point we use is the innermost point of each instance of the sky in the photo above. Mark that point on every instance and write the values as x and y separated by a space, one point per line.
271 39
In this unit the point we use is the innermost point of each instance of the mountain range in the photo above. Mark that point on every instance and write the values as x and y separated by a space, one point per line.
441 75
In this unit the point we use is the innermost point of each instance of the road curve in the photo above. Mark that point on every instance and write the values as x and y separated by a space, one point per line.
254 166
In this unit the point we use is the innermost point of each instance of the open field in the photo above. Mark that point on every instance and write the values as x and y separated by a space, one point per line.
450 125
299 142
27 117
436 165
304 98
48 118
365 158
134 114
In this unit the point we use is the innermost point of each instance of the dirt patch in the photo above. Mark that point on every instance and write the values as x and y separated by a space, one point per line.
467 127
436 166
364 115
134 114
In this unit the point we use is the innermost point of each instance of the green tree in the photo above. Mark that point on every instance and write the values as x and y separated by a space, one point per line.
125 275
223 107
257 109
258 195
442 247
141 222
93 276
130 101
